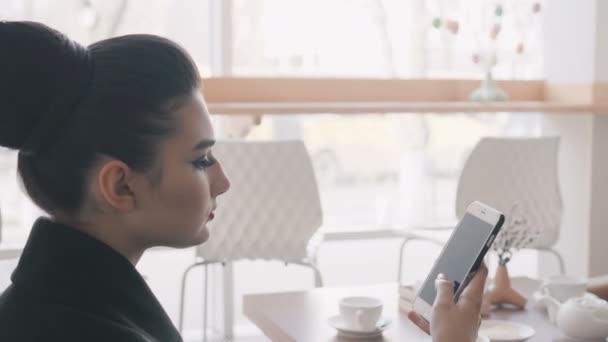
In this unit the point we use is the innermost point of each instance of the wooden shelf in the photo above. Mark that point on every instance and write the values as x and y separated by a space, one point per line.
257 96
256 108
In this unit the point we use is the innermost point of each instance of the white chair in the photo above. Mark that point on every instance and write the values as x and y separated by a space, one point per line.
508 172
271 212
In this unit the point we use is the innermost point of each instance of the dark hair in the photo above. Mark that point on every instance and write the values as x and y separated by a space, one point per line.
63 105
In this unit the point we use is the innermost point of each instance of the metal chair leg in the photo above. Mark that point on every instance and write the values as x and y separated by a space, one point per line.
407 239
318 277
317 273
400 263
183 292
558 256
182 297
205 304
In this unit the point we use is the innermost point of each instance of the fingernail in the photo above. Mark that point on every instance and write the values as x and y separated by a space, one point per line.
441 276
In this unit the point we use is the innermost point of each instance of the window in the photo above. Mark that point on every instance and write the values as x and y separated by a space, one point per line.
386 170
385 38
375 170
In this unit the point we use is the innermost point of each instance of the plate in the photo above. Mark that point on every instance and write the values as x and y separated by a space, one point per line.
505 331
338 323
482 338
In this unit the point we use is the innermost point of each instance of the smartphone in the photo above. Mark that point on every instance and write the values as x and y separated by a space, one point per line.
462 254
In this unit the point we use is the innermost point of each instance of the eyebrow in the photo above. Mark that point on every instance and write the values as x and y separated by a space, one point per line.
203 144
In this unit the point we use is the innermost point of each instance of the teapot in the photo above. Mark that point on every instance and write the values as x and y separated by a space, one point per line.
584 317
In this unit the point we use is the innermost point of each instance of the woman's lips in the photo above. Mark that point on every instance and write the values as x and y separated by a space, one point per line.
211 216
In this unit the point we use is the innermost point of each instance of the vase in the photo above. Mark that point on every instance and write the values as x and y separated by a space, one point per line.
503 293
488 91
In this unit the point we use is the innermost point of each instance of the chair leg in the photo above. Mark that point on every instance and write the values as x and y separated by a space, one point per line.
400 264
558 256
228 298
406 240
317 273
183 293
318 276
182 299
205 304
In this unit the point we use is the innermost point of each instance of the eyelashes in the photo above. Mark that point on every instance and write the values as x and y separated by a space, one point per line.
203 162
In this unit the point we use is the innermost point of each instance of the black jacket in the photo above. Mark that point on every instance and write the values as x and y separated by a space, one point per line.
69 286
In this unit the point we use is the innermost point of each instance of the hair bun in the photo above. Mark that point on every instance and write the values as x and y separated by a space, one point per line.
36 66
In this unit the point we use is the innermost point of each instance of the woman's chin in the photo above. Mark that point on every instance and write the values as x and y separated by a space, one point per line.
188 238
202 236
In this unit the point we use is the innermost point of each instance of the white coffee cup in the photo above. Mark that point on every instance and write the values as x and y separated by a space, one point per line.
360 313
564 287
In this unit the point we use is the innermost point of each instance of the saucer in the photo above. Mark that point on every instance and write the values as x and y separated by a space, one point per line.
505 331
482 338
338 323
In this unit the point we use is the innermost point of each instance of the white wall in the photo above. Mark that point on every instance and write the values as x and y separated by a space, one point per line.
598 254
598 231
575 53
575 183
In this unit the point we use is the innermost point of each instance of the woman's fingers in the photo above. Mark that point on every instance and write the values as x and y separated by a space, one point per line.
445 291
473 294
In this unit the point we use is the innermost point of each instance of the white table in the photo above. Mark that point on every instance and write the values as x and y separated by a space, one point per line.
302 316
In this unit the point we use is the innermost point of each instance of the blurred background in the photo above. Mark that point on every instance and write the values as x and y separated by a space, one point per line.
374 171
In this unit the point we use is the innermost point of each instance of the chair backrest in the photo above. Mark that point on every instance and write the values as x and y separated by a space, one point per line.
272 210
508 172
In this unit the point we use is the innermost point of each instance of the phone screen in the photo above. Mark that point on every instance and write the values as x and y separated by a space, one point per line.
460 253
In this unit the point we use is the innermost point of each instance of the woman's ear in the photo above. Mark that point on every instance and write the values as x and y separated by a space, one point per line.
114 185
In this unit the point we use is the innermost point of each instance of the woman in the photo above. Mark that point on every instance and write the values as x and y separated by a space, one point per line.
600 288
451 321
114 144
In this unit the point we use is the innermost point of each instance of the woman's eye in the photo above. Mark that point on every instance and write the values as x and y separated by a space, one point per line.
203 163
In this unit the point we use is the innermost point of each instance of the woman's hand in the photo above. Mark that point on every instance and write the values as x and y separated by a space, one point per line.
599 289
454 322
